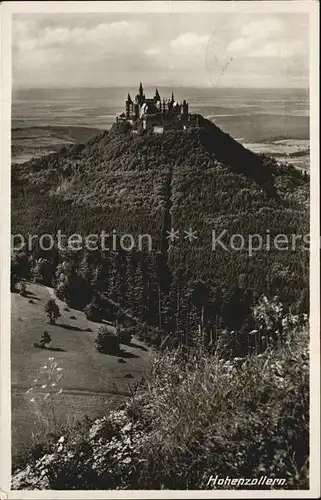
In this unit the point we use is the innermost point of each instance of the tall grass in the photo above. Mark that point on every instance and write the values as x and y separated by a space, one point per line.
241 418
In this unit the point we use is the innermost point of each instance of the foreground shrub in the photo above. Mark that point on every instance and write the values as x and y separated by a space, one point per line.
106 341
245 418
196 415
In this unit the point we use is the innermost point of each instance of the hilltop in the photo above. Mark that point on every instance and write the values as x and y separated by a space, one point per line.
117 168
200 179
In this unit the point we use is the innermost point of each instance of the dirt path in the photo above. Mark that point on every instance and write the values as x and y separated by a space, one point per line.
16 388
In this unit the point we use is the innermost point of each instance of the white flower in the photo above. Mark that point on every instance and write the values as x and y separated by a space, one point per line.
60 391
29 390
43 386
46 396
53 384
59 369
32 400
35 380
50 359
61 439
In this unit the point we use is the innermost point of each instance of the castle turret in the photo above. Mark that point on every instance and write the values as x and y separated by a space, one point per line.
140 98
157 96
129 104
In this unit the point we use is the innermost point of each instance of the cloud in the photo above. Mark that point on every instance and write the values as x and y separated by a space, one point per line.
280 49
117 34
180 55
262 29
240 45
189 41
153 51
253 33
180 49
60 54
269 37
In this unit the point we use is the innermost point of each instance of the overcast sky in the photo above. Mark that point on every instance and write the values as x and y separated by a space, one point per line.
232 50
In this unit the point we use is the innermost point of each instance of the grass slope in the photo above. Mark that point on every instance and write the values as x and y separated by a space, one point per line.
197 416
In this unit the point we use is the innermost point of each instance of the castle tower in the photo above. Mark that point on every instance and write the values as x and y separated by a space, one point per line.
129 104
185 108
157 96
140 98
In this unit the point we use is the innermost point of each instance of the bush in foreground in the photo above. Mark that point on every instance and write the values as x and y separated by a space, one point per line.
197 415
52 311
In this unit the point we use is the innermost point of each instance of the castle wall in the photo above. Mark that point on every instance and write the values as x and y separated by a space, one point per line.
154 114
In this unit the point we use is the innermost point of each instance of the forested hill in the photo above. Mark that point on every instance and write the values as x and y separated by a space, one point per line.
200 179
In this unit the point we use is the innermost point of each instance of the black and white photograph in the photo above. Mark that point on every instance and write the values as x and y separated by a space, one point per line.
161 287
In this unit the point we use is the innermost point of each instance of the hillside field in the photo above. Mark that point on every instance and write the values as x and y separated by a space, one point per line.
34 142
92 382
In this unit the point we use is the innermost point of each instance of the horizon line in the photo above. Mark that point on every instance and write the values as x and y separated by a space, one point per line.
158 86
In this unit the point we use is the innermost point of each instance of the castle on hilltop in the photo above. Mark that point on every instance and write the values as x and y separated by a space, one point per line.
155 114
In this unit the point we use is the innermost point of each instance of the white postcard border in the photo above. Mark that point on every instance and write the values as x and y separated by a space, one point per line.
9 8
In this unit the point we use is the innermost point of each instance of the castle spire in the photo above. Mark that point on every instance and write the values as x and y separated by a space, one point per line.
141 90
129 99
157 96
172 97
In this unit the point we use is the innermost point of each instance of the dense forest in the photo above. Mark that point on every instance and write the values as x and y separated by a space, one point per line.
201 179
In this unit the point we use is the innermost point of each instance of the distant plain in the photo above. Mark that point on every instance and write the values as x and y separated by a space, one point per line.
270 121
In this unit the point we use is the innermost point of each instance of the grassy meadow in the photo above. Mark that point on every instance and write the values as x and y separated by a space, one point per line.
92 382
